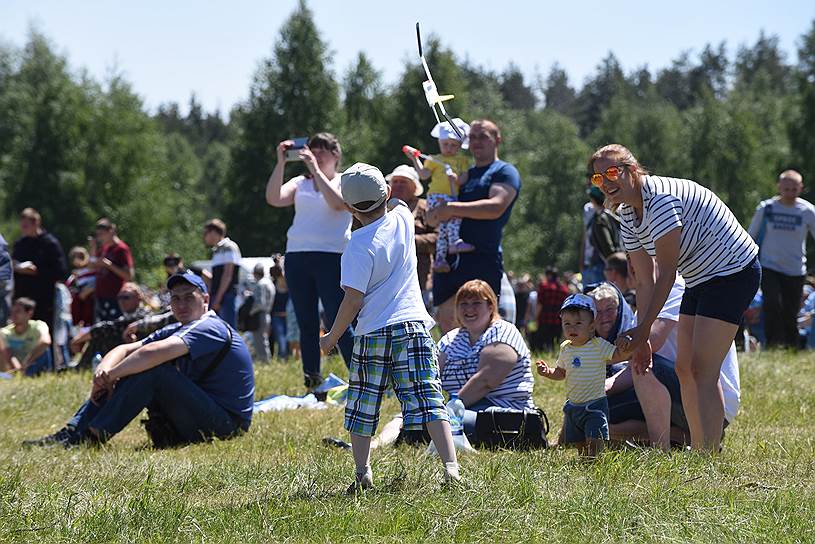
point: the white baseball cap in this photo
(405, 171)
(363, 183)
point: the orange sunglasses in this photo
(612, 173)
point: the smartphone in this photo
(293, 152)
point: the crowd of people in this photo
(646, 330)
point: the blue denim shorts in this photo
(586, 420)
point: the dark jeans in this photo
(278, 337)
(193, 414)
(313, 276)
(227, 311)
(782, 300)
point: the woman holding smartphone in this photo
(315, 241)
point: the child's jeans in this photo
(585, 420)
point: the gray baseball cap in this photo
(363, 183)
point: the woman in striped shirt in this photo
(688, 229)
(485, 362)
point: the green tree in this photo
(558, 94)
(514, 90)
(293, 94)
(364, 105)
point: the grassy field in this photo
(279, 483)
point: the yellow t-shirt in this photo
(438, 178)
(585, 369)
(22, 344)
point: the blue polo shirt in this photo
(232, 383)
(486, 234)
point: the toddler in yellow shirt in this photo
(582, 362)
(447, 172)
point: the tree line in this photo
(77, 149)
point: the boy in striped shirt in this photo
(582, 362)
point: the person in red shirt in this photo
(551, 294)
(113, 266)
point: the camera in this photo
(293, 152)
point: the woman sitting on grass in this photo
(485, 362)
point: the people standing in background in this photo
(315, 242)
(39, 263)
(484, 204)
(6, 273)
(114, 267)
(601, 238)
(780, 227)
(277, 337)
(262, 294)
(226, 260)
(81, 283)
(551, 294)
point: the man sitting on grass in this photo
(196, 375)
(25, 344)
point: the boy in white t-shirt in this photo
(392, 343)
(582, 362)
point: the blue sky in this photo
(169, 49)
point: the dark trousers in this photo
(278, 337)
(192, 413)
(782, 300)
(313, 276)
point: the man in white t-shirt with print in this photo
(780, 226)
(392, 343)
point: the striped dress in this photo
(462, 359)
(712, 242)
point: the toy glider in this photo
(431, 93)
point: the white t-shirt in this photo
(729, 375)
(316, 225)
(380, 261)
(712, 242)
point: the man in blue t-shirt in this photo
(484, 204)
(195, 375)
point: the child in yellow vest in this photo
(582, 362)
(447, 172)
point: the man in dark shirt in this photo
(39, 263)
(196, 373)
(484, 204)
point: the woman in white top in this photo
(316, 239)
(688, 229)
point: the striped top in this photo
(462, 359)
(585, 368)
(712, 242)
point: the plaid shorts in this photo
(403, 355)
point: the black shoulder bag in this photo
(159, 429)
(512, 429)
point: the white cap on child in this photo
(443, 131)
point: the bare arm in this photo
(147, 356)
(349, 308)
(278, 194)
(500, 197)
(332, 194)
(495, 363)
(124, 272)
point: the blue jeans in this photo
(585, 420)
(278, 337)
(43, 363)
(227, 310)
(193, 414)
(313, 275)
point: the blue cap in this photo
(187, 277)
(581, 302)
